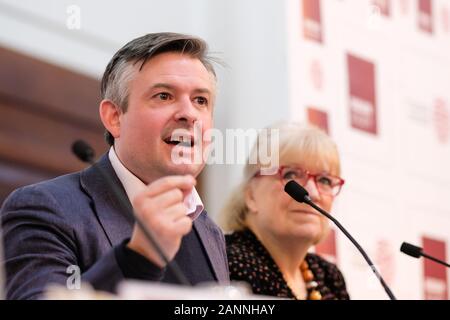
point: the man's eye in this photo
(201, 101)
(163, 96)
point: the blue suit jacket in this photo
(75, 220)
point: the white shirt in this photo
(133, 186)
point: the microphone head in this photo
(296, 191)
(83, 151)
(411, 250)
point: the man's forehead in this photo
(177, 68)
(183, 61)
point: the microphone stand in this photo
(298, 193)
(356, 244)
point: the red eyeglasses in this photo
(325, 183)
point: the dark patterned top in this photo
(250, 262)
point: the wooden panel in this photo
(48, 88)
(43, 109)
(13, 176)
(43, 142)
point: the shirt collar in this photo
(133, 186)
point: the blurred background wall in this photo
(374, 74)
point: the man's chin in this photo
(185, 169)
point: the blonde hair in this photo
(313, 145)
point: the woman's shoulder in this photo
(245, 252)
(250, 262)
(242, 243)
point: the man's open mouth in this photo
(180, 141)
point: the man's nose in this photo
(311, 187)
(186, 111)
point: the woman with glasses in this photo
(270, 232)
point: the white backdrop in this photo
(376, 74)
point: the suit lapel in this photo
(116, 222)
(210, 239)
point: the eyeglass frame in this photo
(309, 175)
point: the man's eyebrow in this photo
(203, 90)
(162, 85)
(165, 86)
(171, 87)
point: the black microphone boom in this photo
(299, 194)
(411, 250)
(86, 153)
(417, 252)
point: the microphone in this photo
(86, 153)
(83, 151)
(417, 252)
(299, 194)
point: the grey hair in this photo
(122, 67)
(313, 145)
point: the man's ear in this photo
(110, 116)
(250, 201)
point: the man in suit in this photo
(155, 87)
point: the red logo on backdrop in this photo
(327, 248)
(384, 6)
(425, 16)
(441, 119)
(404, 6)
(316, 74)
(312, 24)
(435, 275)
(318, 118)
(363, 106)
